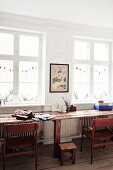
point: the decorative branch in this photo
(5, 98)
(67, 103)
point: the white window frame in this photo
(91, 64)
(16, 59)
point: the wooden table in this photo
(73, 115)
(11, 119)
(57, 121)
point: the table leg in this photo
(57, 127)
(1, 137)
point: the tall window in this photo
(20, 66)
(92, 70)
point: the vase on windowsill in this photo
(67, 104)
(2, 102)
(67, 108)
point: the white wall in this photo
(91, 12)
(59, 49)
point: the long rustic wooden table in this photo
(73, 115)
(58, 117)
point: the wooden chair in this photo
(100, 134)
(17, 137)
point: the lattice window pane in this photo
(6, 43)
(29, 46)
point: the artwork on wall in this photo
(59, 78)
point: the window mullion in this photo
(110, 79)
(16, 67)
(91, 81)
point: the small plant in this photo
(76, 96)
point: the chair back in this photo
(100, 134)
(102, 122)
(20, 129)
(20, 136)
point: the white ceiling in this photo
(91, 12)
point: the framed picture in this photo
(59, 78)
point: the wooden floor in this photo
(103, 159)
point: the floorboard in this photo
(103, 159)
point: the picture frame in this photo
(59, 78)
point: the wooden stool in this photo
(67, 147)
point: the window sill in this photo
(27, 103)
(21, 104)
(34, 107)
(90, 102)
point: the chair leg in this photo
(3, 163)
(3, 149)
(33, 149)
(104, 145)
(73, 156)
(62, 154)
(36, 157)
(81, 142)
(91, 153)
